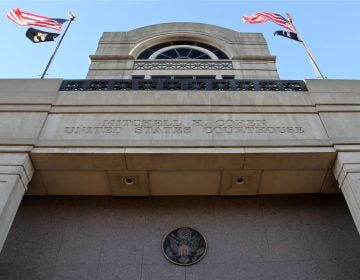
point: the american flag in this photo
(25, 18)
(265, 16)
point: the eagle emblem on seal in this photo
(184, 246)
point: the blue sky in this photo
(329, 28)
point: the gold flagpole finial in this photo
(71, 16)
(288, 17)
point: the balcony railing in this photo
(188, 85)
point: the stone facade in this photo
(117, 135)
(116, 55)
(283, 237)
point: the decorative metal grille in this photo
(268, 86)
(72, 85)
(221, 85)
(292, 86)
(172, 85)
(245, 85)
(196, 85)
(123, 85)
(182, 65)
(99, 85)
(147, 85)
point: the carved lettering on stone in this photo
(181, 129)
(175, 126)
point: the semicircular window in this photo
(182, 50)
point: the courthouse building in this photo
(180, 125)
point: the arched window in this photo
(182, 50)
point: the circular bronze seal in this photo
(184, 246)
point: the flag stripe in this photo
(266, 16)
(25, 18)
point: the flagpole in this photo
(311, 58)
(71, 19)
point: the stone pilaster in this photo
(347, 172)
(16, 171)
